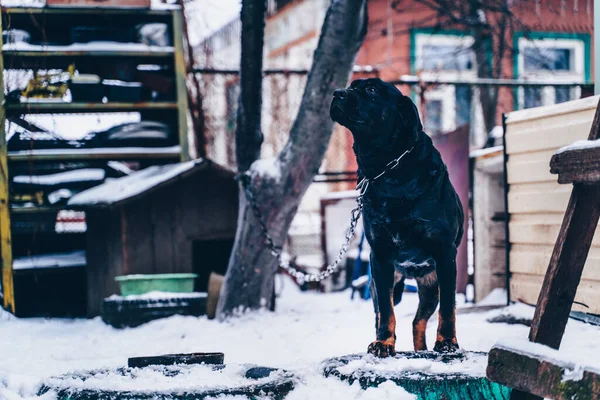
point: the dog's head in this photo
(376, 112)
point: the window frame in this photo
(578, 43)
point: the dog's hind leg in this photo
(446, 271)
(428, 301)
(383, 283)
(398, 288)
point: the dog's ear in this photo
(408, 118)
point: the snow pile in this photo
(91, 46)
(84, 174)
(58, 260)
(160, 379)
(157, 295)
(580, 145)
(474, 364)
(306, 329)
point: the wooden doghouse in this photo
(174, 218)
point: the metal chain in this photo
(291, 267)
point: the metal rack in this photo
(56, 21)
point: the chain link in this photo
(290, 267)
(277, 251)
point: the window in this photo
(433, 117)
(555, 59)
(447, 107)
(533, 97)
(447, 58)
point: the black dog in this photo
(413, 217)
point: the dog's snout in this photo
(340, 93)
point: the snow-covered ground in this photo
(306, 329)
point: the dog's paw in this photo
(382, 348)
(446, 346)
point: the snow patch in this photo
(85, 174)
(267, 167)
(157, 295)
(485, 152)
(160, 378)
(58, 260)
(389, 367)
(131, 185)
(497, 296)
(575, 374)
(173, 150)
(91, 46)
(580, 145)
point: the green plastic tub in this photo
(141, 284)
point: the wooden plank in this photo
(163, 230)
(568, 259)
(534, 259)
(180, 78)
(138, 238)
(556, 134)
(5, 234)
(529, 171)
(526, 289)
(53, 107)
(76, 10)
(566, 265)
(577, 166)
(532, 372)
(104, 257)
(554, 201)
(123, 153)
(538, 234)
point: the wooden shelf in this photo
(88, 53)
(116, 153)
(57, 107)
(88, 10)
(37, 209)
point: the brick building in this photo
(545, 39)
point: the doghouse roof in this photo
(140, 183)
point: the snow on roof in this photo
(129, 186)
(580, 145)
(92, 46)
(58, 260)
(85, 174)
(156, 4)
(554, 109)
(344, 194)
(116, 151)
(485, 152)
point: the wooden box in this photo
(99, 3)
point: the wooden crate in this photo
(99, 3)
(537, 203)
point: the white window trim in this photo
(577, 74)
(446, 93)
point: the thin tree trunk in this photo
(481, 45)
(280, 184)
(248, 134)
(195, 102)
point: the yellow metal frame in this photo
(6, 258)
(8, 290)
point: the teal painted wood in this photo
(426, 386)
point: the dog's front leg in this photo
(383, 284)
(446, 272)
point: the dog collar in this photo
(364, 183)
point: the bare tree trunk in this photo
(481, 45)
(279, 185)
(248, 134)
(194, 99)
